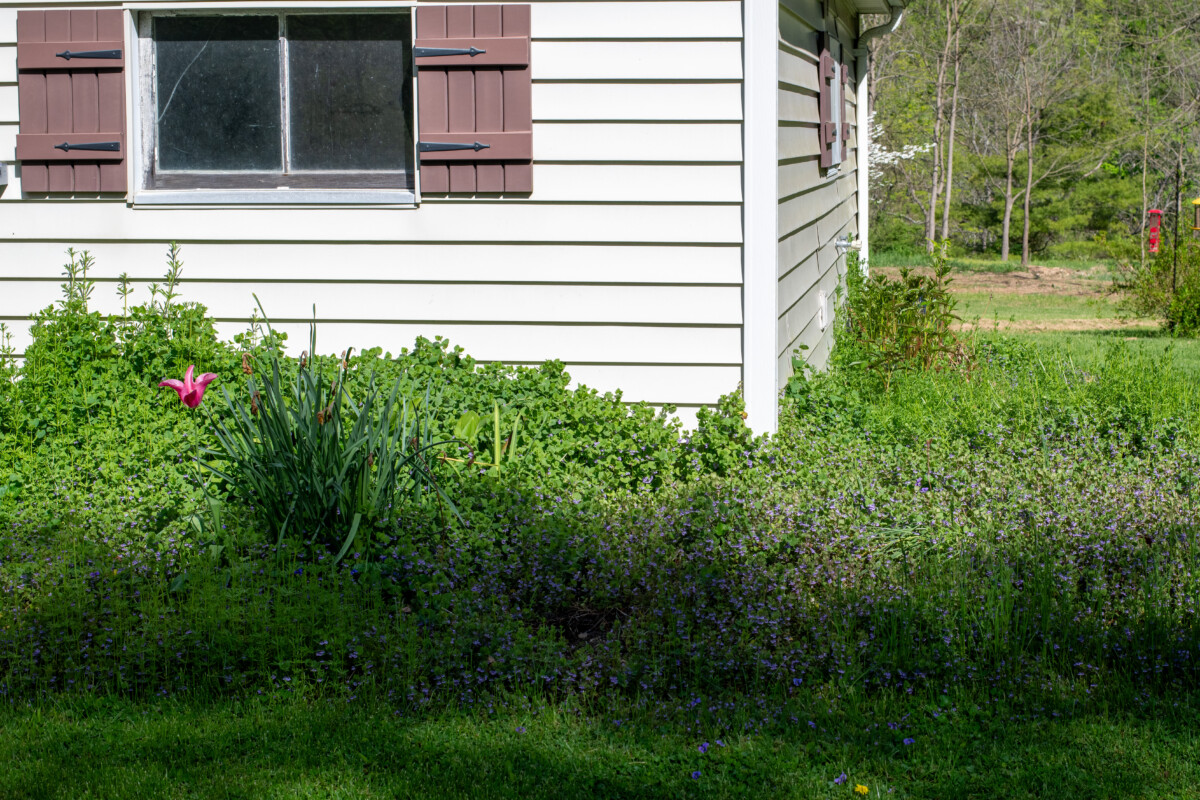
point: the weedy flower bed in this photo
(1017, 530)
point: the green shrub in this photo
(1165, 286)
(70, 350)
(896, 325)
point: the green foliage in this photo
(1013, 391)
(897, 325)
(71, 349)
(1166, 285)
(319, 462)
(722, 442)
(80, 363)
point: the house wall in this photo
(815, 207)
(625, 262)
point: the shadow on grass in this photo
(294, 749)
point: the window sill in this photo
(275, 197)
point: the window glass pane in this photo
(349, 91)
(218, 93)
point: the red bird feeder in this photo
(1155, 224)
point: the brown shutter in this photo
(828, 96)
(482, 100)
(71, 96)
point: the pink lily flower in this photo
(190, 392)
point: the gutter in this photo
(861, 102)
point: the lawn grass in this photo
(1087, 347)
(294, 748)
(988, 306)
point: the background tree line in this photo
(1038, 128)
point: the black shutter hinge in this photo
(430, 52)
(108, 147)
(433, 147)
(68, 55)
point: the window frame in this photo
(143, 123)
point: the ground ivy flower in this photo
(190, 392)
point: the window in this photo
(257, 106)
(319, 104)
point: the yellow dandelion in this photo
(860, 789)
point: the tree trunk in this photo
(1009, 202)
(939, 112)
(1145, 161)
(1028, 204)
(949, 190)
(931, 214)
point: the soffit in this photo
(873, 6)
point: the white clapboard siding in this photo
(799, 210)
(8, 64)
(710, 19)
(798, 69)
(644, 183)
(8, 141)
(8, 104)
(631, 142)
(798, 280)
(798, 141)
(799, 176)
(433, 222)
(625, 101)
(795, 319)
(516, 344)
(382, 263)
(678, 305)
(642, 61)
(658, 385)
(799, 107)
(819, 343)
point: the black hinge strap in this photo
(430, 52)
(430, 147)
(108, 147)
(68, 55)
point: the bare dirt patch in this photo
(1033, 325)
(1034, 280)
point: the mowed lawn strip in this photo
(292, 748)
